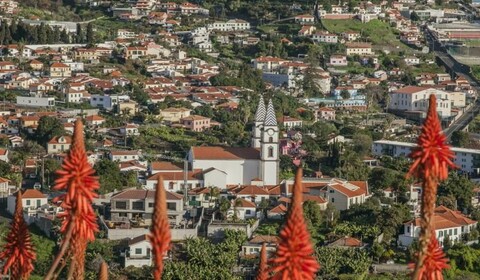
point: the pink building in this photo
(325, 113)
(196, 123)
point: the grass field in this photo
(380, 33)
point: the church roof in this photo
(261, 111)
(224, 153)
(270, 118)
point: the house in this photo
(307, 30)
(139, 252)
(289, 122)
(230, 25)
(139, 204)
(165, 166)
(94, 120)
(196, 123)
(60, 70)
(325, 37)
(32, 200)
(254, 245)
(242, 209)
(325, 113)
(305, 19)
(129, 129)
(338, 60)
(446, 222)
(350, 35)
(36, 65)
(278, 212)
(415, 99)
(5, 188)
(34, 101)
(59, 144)
(201, 197)
(346, 242)
(359, 48)
(4, 155)
(253, 193)
(7, 65)
(123, 155)
(412, 60)
(135, 52)
(174, 115)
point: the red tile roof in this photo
(143, 194)
(166, 166)
(245, 203)
(224, 153)
(55, 140)
(32, 193)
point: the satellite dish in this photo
(425, 49)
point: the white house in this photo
(59, 144)
(139, 252)
(4, 155)
(251, 193)
(466, 159)
(359, 48)
(33, 101)
(338, 60)
(254, 245)
(447, 223)
(412, 60)
(32, 200)
(325, 37)
(242, 209)
(305, 19)
(107, 101)
(230, 25)
(124, 155)
(414, 98)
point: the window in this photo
(28, 202)
(270, 139)
(138, 251)
(332, 191)
(351, 200)
(455, 231)
(248, 212)
(120, 204)
(333, 199)
(408, 229)
(54, 146)
(150, 204)
(171, 206)
(270, 151)
(170, 186)
(137, 205)
(39, 203)
(122, 215)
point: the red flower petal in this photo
(294, 257)
(18, 252)
(262, 268)
(435, 261)
(432, 156)
(160, 232)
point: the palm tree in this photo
(214, 192)
(224, 205)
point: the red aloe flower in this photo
(103, 275)
(293, 259)
(160, 232)
(434, 262)
(18, 253)
(262, 268)
(76, 178)
(432, 156)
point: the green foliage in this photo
(110, 175)
(48, 127)
(207, 261)
(460, 139)
(246, 77)
(337, 261)
(460, 187)
(44, 249)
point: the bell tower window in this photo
(270, 152)
(270, 139)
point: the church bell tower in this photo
(269, 147)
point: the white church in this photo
(226, 166)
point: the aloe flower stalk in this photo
(294, 257)
(103, 275)
(18, 252)
(431, 160)
(262, 268)
(160, 232)
(76, 177)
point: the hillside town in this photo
(224, 101)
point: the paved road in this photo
(460, 70)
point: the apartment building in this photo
(359, 48)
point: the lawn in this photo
(380, 33)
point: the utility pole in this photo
(43, 172)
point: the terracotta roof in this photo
(410, 89)
(245, 203)
(166, 165)
(347, 191)
(199, 190)
(54, 140)
(123, 153)
(446, 218)
(32, 193)
(280, 209)
(224, 153)
(59, 65)
(3, 152)
(346, 242)
(260, 239)
(138, 239)
(250, 190)
(94, 118)
(3, 180)
(176, 176)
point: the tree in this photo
(90, 34)
(312, 213)
(5, 168)
(460, 139)
(447, 242)
(362, 144)
(414, 16)
(460, 187)
(345, 94)
(377, 251)
(110, 176)
(79, 37)
(48, 127)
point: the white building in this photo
(412, 60)
(232, 165)
(468, 160)
(32, 201)
(107, 101)
(325, 37)
(139, 252)
(413, 98)
(242, 209)
(230, 25)
(447, 223)
(59, 144)
(123, 155)
(33, 101)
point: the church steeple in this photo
(269, 147)
(258, 125)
